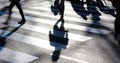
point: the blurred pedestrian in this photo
(60, 4)
(16, 2)
(116, 4)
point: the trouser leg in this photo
(20, 11)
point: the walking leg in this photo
(21, 13)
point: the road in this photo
(84, 36)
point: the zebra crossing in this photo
(44, 16)
(15, 56)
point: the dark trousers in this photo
(117, 21)
(60, 3)
(19, 8)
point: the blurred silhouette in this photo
(80, 9)
(58, 7)
(59, 39)
(16, 2)
(91, 6)
(100, 3)
(105, 8)
(116, 4)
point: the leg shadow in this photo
(5, 34)
(4, 10)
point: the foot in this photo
(22, 22)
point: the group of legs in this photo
(60, 3)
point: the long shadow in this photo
(4, 36)
(79, 8)
(107, 37)
(4, 10)
(59, 39)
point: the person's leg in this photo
(117, 24)
(21, 13)
(117, 20)
(62, 8)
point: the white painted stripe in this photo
(76, 60)
(71, 11)
(46, 31)
(73, 59)
(35, 41)
(72, 26)
(15, 56)
(73, 19)
(103, 16)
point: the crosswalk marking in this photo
(67, 7)
(34, 41)
(36, 28)
(47, 9)
(73, 59)
(72, 26)
(46, 43)
(15, 56)
(106, 17)
(71, 18)
(69, 12)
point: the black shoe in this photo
(22, 22)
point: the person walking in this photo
(16, 2)
(61, 5)
(116, 4)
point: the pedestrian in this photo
(16, 2)
(116, 4)
(60, 4)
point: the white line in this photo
(15, 56)
(72, 59)
(103, 16)
(76, 60)
(34, 41)
(72, 26)
(46, 31)
(73, 18)
(69, 10)
(39, 29)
